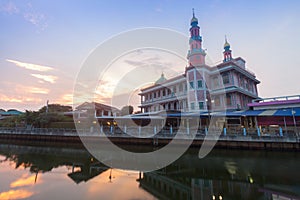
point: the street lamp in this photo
(208, 107)
(294, 120)
(209, 103)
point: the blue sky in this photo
(61, 34)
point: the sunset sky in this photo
(44, 43)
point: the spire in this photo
(227, 51)
(226, 45)
(196, 55)
(194, 20)
(161, 79)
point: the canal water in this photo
(45, 172)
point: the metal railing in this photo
(234, 134)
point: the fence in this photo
(290, 134)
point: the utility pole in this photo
(47, 106)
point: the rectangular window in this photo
(192, 106)
(169, 91)
(228, 100)
(192, 85)
(200, 84)
(201, 105)
(225, 78)
(217, 101)
(174, 89)
(215, 82)
(180, 88)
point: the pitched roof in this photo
(97, 106)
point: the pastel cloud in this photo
(25, 180)
(36, 19)
(30, 66)
(5, 98)
(47, 78)
(10, 8)
(28, 12)
(66, 99)
(16, 194)
(36, 90)
(18, 99)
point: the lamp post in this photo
(284, 122)
(209, 103)
(208, 110)
(294, 120)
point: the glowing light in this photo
(251, 180)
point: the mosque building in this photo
(228, 85)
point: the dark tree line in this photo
(40, 118)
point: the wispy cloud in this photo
(9, 8)
(66, 99)
(47, 78)
(36, 90)
(30, 66)
(27, 12)
(16, 194)
(34, 18)
(4, 99)
(24, 180)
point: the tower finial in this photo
(227, 51)
(193, 12)
(226, 45)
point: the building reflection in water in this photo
(221, 175)
(227, 175)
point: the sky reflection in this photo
(29, 172)
(20, 183)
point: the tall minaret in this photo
(227, 51)
(196, 55)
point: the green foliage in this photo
(39, 119)
(66, 125)
(13, 121)
(55, 108)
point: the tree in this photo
(41, 119)
(127, 110)
(55, 108)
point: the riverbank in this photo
(276, 143)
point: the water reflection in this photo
(228, 175)
(32, 172)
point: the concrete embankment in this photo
(237, 142)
